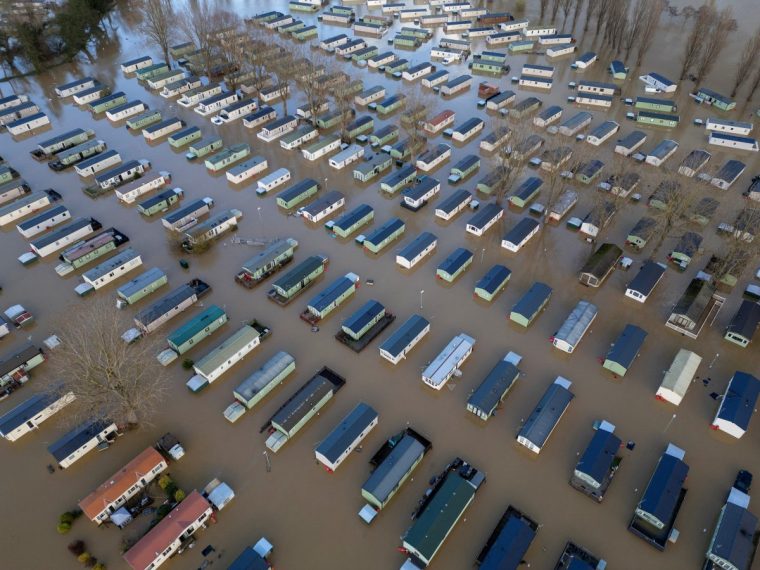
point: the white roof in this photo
(681, 372)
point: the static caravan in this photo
(235, 111)
(324, 206)
(48, 148)
(161, 80)
(267, 262)
(418, 71)
(144, 119)
(121, 174)
(398, 180)
(28, 415)
(212, 228)
(259, 384)
(501, 100)
(380, 60)
(433, 157)
(495, 139)
(494, 39)
(203, 325)
(322, 147)
(423, 190)
(44, 221)
(88, 96)
(728, 174)
(731, 127)
(406, 337)
(658, 119)
(12, 188)
(225, 356)
(350, 154)
(346, 436)
(187, 216)
(245, 170)
(26, 205)
(465, 131)
(494, 387)
(586, 60)
(520, 234)
(125, 111)
(132, 65)
(525, 311)
(730, 141)
(164, 128)
(589, 171)
(272, 181)
(350, 47)
(384, 235)
(64, 236)
(743, 324)
(297, 280)
(453, 204)
(20, 111)
(151, 71)
(715, 99)
(482, 221)
(68, 89)
(385, 135)
(181, 86)
(656, 105)
(565, 202)
(390, 104)
(329, 44)
(526, 192)
(525, 107)
(448, 362)
(456, 85)
(28, 124)
(416, 250)
(181, 49)
(439, 122)
(214, 103)
(436, 78)
(185, 137)
(630, 143)
(297, 193)
(360, 126)
(86, 251)
(645, 281)
(371, 95)
(227, 156)
(678, 377)
(641, 233)
(457, 46)
(491, 284)
(194, 96)
(129, 193)
(547, 414)
(624, 350)
(12, 101)
(97, 163)
(698, 304)
(108, 102)
(548, 116)
(738, 405)
(169, 306)
(330, 298)
(575, 124)
(160, 202)
(464, 168)
(454, 265)
(110, 270)
(299, 137)
(664, 150)
(602, 132)
(363, 26)
(659, 83)
(204, 147)
(140, 287)
(350, 222)
(81, 440)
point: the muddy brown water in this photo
(309, 515)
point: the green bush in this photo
(66, 517)
(187, 364)
(76, 547)
(99, 566)
(91, 562)
(171, 489)
(85, 557)
(179, 495)
(63, 527)
(164, 481)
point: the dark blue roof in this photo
(24, 412)
(76, 438)
(297, 189)
(728, 137)
(423, 185)
(468, 125)
(417, 245)
(249, 559)
(455, 260)
(350, 218)
(359, 319)
(401, 338)
(157, 199)
(405, 171)
(329, 294)
(745, 320)
(485, 215)
(493, 278)
(662, 79)
(188, 210)
(647, 277)
(517, 234)
(734, 536)
(346, 432)
(664, 488)
(597, 460)
(383, 232)
(739, 401)
(544, 417)
(454, 200)
(731, 170)
(631, 139)
(490, 392)
(510, 545)
(528, 187)
(466, 162)
(713, 95)
(627, 346)
(532, 300)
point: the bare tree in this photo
(602, 9)
(158, 24)
(285, 72)
(420, 108)
(510, 163)
(313, 87)
(740, 247)
(649, 27)
(746, 61)
(197, 22)
(616, 23)
(256, 59)
(635, 24)
(714, 43)
(577, 13)
(591, 11)
(694, 42)
(754, 87)
(555, 9)
(343, 99)
(567, 6)
(230, 45)
(672, 207)
(544, 6)
(109, 378)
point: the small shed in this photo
(531, 304)
(738, 404)
(624, 350)
(600, 264)
(575, 326)
(678, 377)
(744, 324)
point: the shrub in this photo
(164, 481)
(99, 566)
(85, 557)
(162, 511)
(91, 562)
(76, 547)
(187, 364)
(66, 517)
(179, 495)
(63, 527)
(171, 489)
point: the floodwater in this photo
(309, 515)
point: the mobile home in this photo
(322, 147)
(297, 193)
(346, 436)
(602, 132)
(28, 415)
(185, 137)
(111, 269)
(163, 128)
(492, 283)
(267, 262)
(235, 111)
(381, 237)
(664, 150)
(516, 238)
(525, 311)
(694, 162)
(141, 286)
(630, 143)
(643, 284)
(227, 156)
(399, 179)
(204, 147)
(66, 235)
(324, 206)
(48, 148)
(245, 170)
(95, 164)
(160, 202)
(259, 384)
(26, 205)
(180, 87)
(299, 137)
(448, 362)
(28, 124)
(194, 96)
(203, 325)
(743, 324)
(86, 251)
(108, 102)
(486, 217)
(297, 280)
(738, 404)
(624, 350)
(212, 228)
(132, 65)
(350, 222)
(679, 377)
(81, 440)
(730, 141)
(130, 192)
(454, 265)
(494, 387)
(68, 89)
(547, 414)
(139, 122)
(44, 221)
(715, 99)
(575, 326)
(126, 110)
(187, 216)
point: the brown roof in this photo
(171, 527)
(97, 501)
